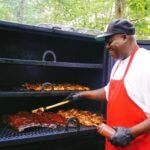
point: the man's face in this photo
(115, 45)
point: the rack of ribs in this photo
(24, 120)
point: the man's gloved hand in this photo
(122, 137)
(74, 97)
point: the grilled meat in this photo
(69, 87)
(55, 87)
(25, 120)
(34, 87)
(86, 118)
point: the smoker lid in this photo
(54, 31)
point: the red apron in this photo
(123, 111)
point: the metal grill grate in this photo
(9, 136)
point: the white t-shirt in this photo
(137, 80)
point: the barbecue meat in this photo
(47, 87)
(86, 118)
(24, 120)
(69, 87)
(54, 87)
(34, 87)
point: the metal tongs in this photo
(65, 101)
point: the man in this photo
(128, 91)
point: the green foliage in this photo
(89, 14)
(139, 12)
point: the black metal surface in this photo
(48, 63)
(9, 136)
(56, 32)
(34, 93)
(80, 60)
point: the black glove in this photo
(74, 97)
(122, 137)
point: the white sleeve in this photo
(137, 81)
(146, 93)
(145, 82)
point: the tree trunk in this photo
(120, 8)
(20, 13)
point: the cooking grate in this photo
(9, 136)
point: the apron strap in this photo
(136, 47)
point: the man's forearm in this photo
(141, 128)
(98, 94)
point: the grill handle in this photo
(49, 52)
(72, 122)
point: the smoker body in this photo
(32, 54)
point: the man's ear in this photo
(125, 38)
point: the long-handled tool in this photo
(51, 106)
